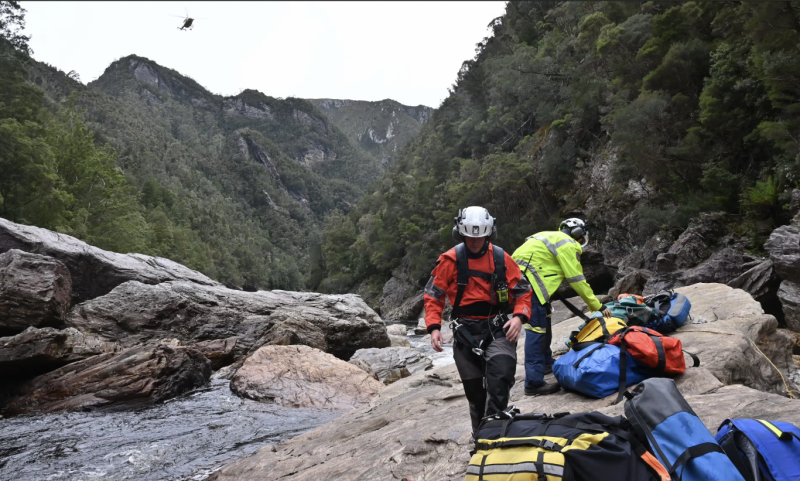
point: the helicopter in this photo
(188, 22)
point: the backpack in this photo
(672, 311)
(632, 309)
(662, 353)
(660, 416)
(762, 450)
(587, 446)
(597, 329)
(594, 369)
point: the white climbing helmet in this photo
(576, 229)
(474, 221)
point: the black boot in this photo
(542, 390)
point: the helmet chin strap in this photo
(585, 240)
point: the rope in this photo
(785, 384)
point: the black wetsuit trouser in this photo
(487, 379)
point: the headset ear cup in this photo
(493, 235)
(456, 236)
(577, 233)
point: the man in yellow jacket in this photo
(547, 258)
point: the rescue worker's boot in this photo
(542, 390)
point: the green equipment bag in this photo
(632, 310)
(562, 447)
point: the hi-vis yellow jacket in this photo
(547, 258)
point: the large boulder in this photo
(784, 252)
(136, 313)
(94, 271)
(409, 309)
(218, 351)
(132, 378)
(301, 376)
(36, 351)
(34, 291)
(789, 296)
(632, 283)
(392, 363)
(395, 292)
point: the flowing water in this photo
(186, 438)
(183, 439)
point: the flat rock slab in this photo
(136, 313)
(94, 271)
(419, 428)
(36, 351)
(132, 378)
(301, 376)
(392, 363)
(35, 291)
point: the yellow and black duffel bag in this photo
(579, 447)
(598, 329)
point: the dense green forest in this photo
(145, 159)
(637, 115)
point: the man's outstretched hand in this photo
(514, 326)
(436, 340)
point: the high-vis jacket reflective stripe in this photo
(547, 258)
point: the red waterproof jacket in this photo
(478, 298)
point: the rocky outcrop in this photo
(391, 364)
(409, 309)
(132, 378)
(632, 283)
(218, 351)
(419, 428)
(300, 376)
(94, 271)
(784, 252)
(136, 313)
(34, 291)
(395, 292)
(597, 273)
(36, 351)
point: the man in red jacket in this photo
(481, 281)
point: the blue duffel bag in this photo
(762, 450)
(672, 310)
(594, 369)
(661, 416)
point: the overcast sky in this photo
(407, 51)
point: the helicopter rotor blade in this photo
(178, 16)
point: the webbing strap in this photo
(540, 466)
(695, 359)
(623, 368)
(538, 443)
(662, 358)
(483, 465)
(463, 273)
(579, 361)
(694, 452)
(580, 313)
(728, 444)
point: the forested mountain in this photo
(381, 128)
(146, 160)
(636, 115)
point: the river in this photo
(185, 438)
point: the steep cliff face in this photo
(380, 128)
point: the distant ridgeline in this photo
(638, 115)
(236, 187)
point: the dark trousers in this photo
(487, 379)
(538, 338)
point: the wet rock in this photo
(409, 309)
(136, 313)
(300, 376)
(632, 283)
(784, 250)
(34, 291)
(36, 351)
(132, 378)
(789, 295)
(393, 363)
(94, 271)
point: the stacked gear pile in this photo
(660, 438)
(607, 355)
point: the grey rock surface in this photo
(789, 295)
(34, 291)
(132, 378)
(136, 313)
(301, 376)
(36, 351)
(409, 309)
(758, 280)
(395, 292)
(632, 283)
(94, 271)
(399, 341)
(784, 250)
(392, 363)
